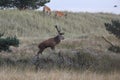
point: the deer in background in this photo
(51, 42)
(47, 10)
(60, 14)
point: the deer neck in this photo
(57, 39)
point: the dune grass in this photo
(36, 24)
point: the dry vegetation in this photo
(16, 74)
(35, 24)
(84, 52)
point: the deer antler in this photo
(58, 30)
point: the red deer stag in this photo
(51, 42)
(60, 14)
(47, 10)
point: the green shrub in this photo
(115, 49)
(114, 28)
(5, 43)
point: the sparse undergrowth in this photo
(70, 60)
(28, 74)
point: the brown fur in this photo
(60, 14)
(47, 10)
(51, 42)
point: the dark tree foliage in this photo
(5, 4)
(114, 48)
(5, 43)
(22, 4)
(114, 28)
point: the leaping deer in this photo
(51, 42)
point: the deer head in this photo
(60, 34)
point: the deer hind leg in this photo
(37, 59)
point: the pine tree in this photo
(22, 4)
(114, 28)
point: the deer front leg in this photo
(39, 52)
(53, 49)
(41, 49)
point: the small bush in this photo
(5, 43)
(115, 49)
(114, 28)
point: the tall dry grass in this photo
(14, 74)
(31, 23)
